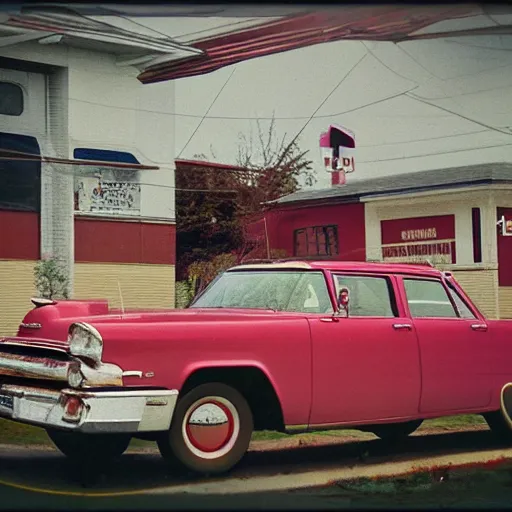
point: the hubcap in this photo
(211, 427)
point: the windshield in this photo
(291, 291)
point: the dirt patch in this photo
(318, 439)
(477, 484)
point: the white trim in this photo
(430, 241)
(409, 195)
(125, 218)
(22, 38)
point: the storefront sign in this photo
(337, 146)
(440, 252)
(419, 234)
(419, 239)
(506, 226)
(97, 195)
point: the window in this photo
(316, 241)
(428, 298)
(20, 180)
(369, 296)
(477, 235)
(462, 307)
(11, 99)
(282, 290)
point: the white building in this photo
(75, 96)
(72, 90)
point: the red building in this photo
(450, 217)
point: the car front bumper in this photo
(103, 411)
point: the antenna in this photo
(120, 297)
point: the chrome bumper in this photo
(127, 411)
(55, 365)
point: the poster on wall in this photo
(96, 195)
(419, 240)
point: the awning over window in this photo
(396, 23)
(10, 155)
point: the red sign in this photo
(418, 239)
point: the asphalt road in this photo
(44, 479)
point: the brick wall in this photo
(17, 287)
(482, 287)
(142, 286)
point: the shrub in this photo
(51, 280)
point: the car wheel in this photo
(395, 431)
(210, 431)
(498, 425)
(89, 446)
(500, 422)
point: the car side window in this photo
(428, 299)
(463, 308)
(369, 295)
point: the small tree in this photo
(203, 272)
(51, 280)
(215, 206)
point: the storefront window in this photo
(316, 241)
(20, 180)
(11, 99)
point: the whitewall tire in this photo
(211, 429)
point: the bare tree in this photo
(213, 220)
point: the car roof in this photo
(343, 266)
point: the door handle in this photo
(479, 327)
(402, 327)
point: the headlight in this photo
(75, 376)
(85, 342)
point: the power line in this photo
(243, 118)
(325, 99)
(209, 108)
(387, 67)
(407, 157)
(72, 173)
(418, 63)
(463, 93)
(469, 45)
(426, 139)
(414, 97)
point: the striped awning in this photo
(394, 23)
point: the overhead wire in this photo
(326, 99)
(206, 113)
(462, 116)
(407, 157)
(469, 45)
(55, 167)
(247, 118)
(425, 139)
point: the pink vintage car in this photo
(289, 346)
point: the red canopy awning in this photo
(394, 23)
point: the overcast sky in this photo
(471, 77)
(381, 91)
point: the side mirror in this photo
(343, 300)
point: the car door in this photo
(454, 347)
(366, 366)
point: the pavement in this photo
(295, 477)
